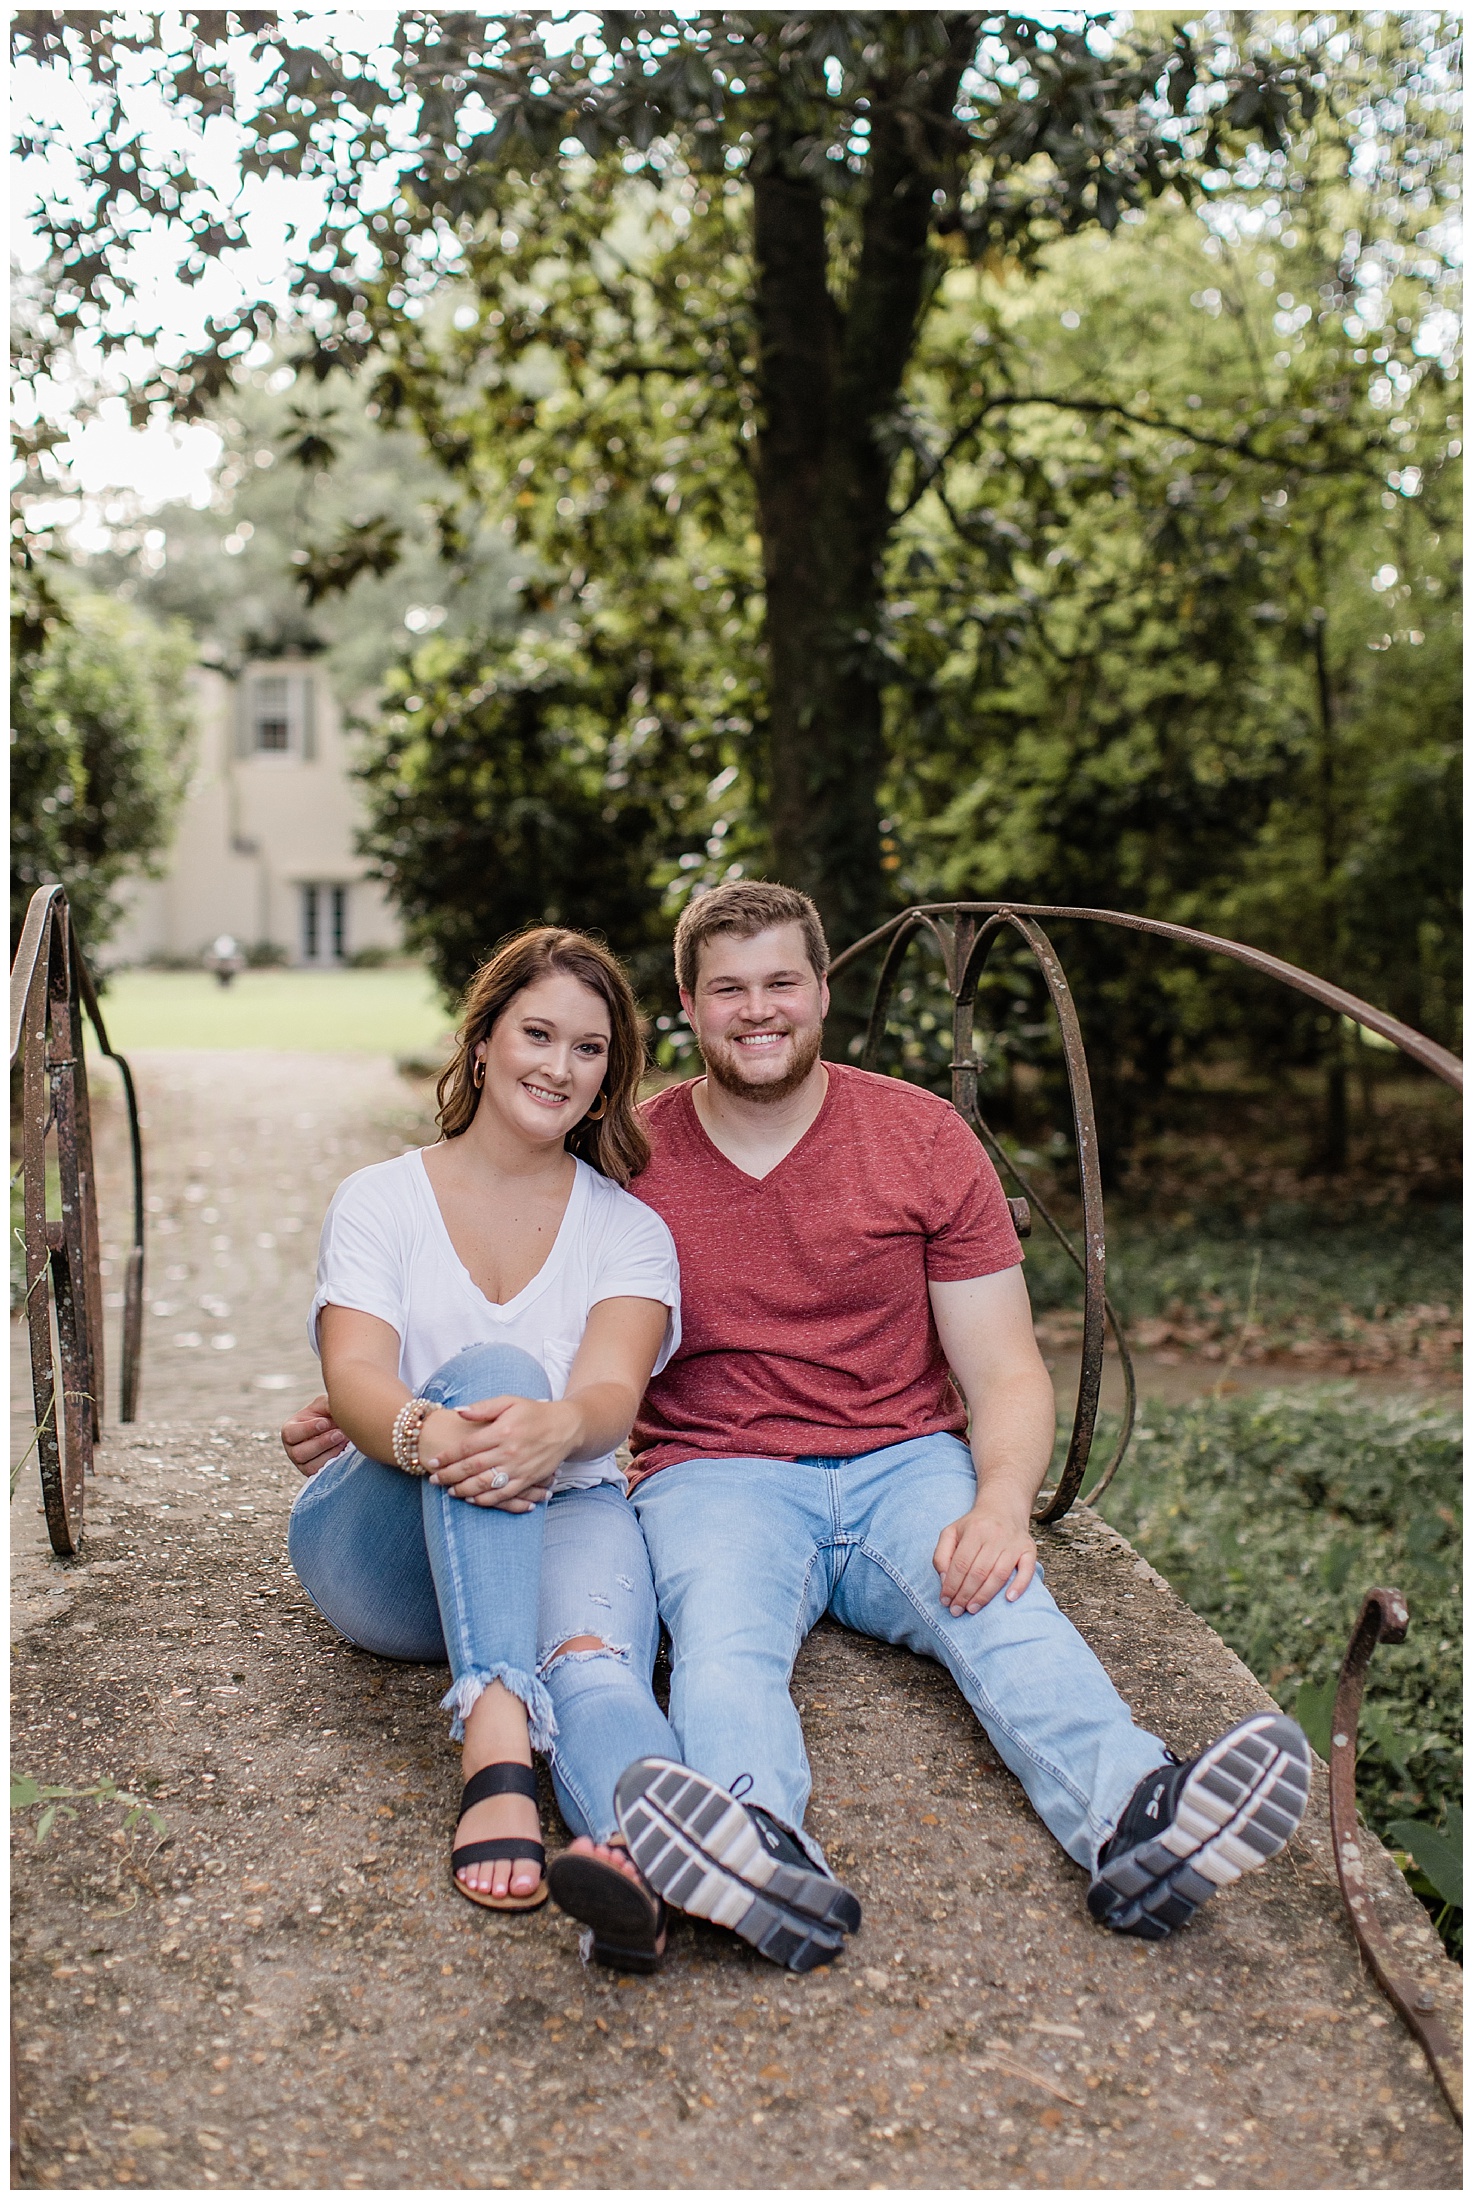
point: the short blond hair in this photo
(743, 908)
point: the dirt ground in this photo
(282, 1989)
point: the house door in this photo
(324, 923)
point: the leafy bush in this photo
(1272, 1515)
(101, 725)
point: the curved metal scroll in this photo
(1382, 1618)
(1053, 1504)
(964, 950)
(50, 990)
(1415, 1044)
(953, 925)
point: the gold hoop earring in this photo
(596, 1115)
(478, 1074)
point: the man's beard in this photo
(722, 1069)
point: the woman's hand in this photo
(523, 1439)
(311, 1437)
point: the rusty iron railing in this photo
(1382, 1618)
(965, 933)
(50, 990)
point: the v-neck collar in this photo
(506, 1310)
(758, 1183)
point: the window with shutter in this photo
(282, 718)
(271, 715)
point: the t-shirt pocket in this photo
(557, 1356)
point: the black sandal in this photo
(627, 1920)
(503, 1779)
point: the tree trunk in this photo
(830, 380)
(1335, 1124)
(1335, 1129)
(801, 331)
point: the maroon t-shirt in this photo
(807, 1326)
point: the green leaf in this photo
(46, 1821)
(1336, 1564)
(1314, 1708)
(23, 1791)
(1395, 1747)
(1439, 1854)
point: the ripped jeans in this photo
(405, 1570)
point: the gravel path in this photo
(282, 1989)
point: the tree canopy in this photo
(938, 452)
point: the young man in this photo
(857, 1422)
(849, 1277)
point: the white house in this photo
(264, 845)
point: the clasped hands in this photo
(522, 1438)
(501, 1452)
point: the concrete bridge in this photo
(284, 1991)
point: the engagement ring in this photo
(499, 1481)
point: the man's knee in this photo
(740, 1657)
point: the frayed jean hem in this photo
(463, 1697)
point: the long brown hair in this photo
(616, 1144)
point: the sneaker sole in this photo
(1243, 1802)
(698, 1848)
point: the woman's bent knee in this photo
(488, 1371)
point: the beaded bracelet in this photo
(408, 1422)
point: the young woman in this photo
(488, 1312)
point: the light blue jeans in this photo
(406, 1570)
(749, 1553)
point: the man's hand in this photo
(524, 1439)
(989, 1547)
(311, 1437)
(986, 1331)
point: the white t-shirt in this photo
(385, 1250)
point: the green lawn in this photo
(392, 1011)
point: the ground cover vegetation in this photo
(1223, 1247)
(1272, 1515)
(1105, 575)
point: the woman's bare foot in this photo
(495, 1820)
(610, 1852)
(618, 1857)
(496, 1733)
